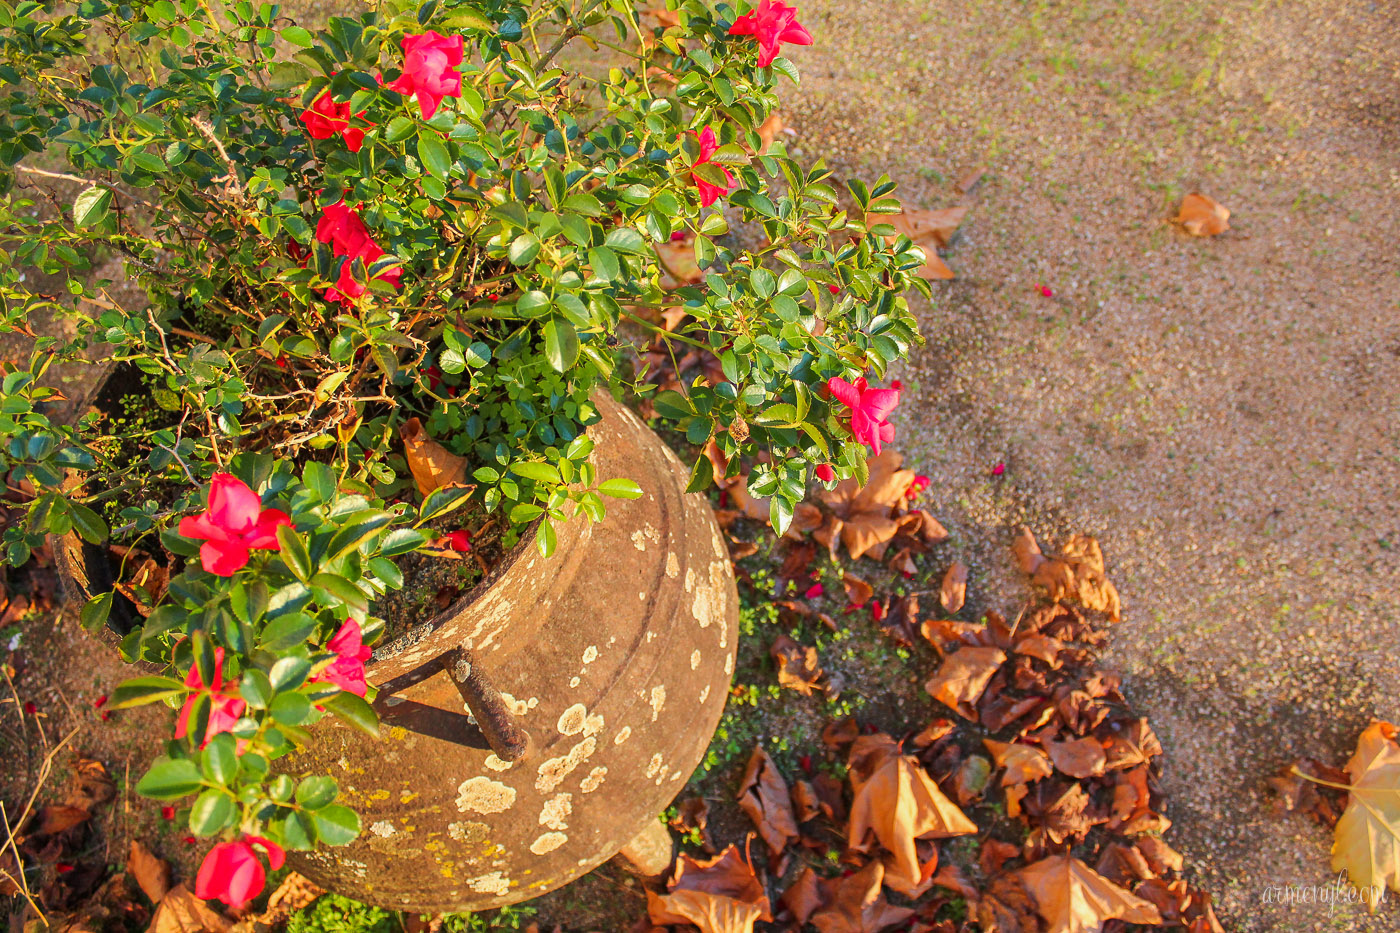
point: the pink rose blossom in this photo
(233, 873)
(347, 671)
(342, 229)
(771, 23)
(825, 473)
(234, 524)
(459, 541)
(710, 192)
(325, 119)
(225, 705)
(870, 409)
(430, 70)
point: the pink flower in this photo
(430, 70)
(999, 469)
(869, 410)
(1045, 291)
(919, 484)
(234, 524)
(814, 591)
(709, 192)
(771, 23)
(342, 229)
(347, 671)
(825, 473)
(225, 705)
(233, 873)
(459, 541)
(834, 289)
(325, 118)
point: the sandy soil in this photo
(1221, 413)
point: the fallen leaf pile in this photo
(1030, 806)
(57, 838)
(1366, 836)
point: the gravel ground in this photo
(1220, 413)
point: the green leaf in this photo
(732, 154)
(625, 240)
(141, 690)
(170, 779)
(354, 711)
(545, 538)
(336, 825)
(293, 551)
(539, 472)
(779, 514)
(523, 249)
(465, 17)
(433, 154)
(701, 475)
(95, 612)
(560, 343)
(255, 688)
(316, 791)
(290, 709)
(296, 35)
(341, 589)
(620, 488)
(289, 673)
(443, 500)
(91, 207)
(88, 523)
(287, 631)
(604, 263)
(213, 810)
(220, 762)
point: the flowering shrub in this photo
(414, 220)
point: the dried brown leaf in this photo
(433, 465)
(897, 804)
(1073, 898)
(1024, 764)
(718, 895)
(1366, 843)
(953, 591)
(152, 874)
(1079, 758)
(763, 795)
(181, 912)
(856, 904)
(1202, 215)
(963, 676)
(866, 513)
(798, 665)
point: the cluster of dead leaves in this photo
(1366, 835)
(59, 838)
(143, 896)
(1036, 734)
(868, 521)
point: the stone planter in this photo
(614, 656)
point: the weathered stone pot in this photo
(614, 655)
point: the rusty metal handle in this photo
(507, 740)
